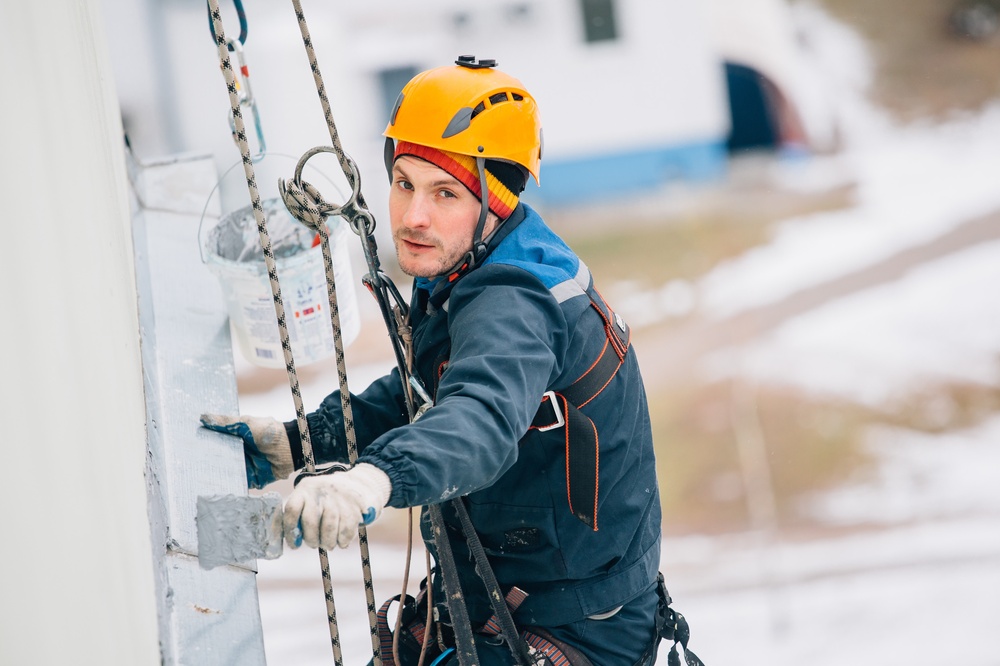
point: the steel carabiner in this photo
(245, 94)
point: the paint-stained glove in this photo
(266, 451)
(329, 507)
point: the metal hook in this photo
(245, 93)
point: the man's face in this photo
(433, 217)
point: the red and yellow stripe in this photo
(463, 168)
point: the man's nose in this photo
(417, 214)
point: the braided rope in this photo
(307, 197)
(279, 308)
(321, 91)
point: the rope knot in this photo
(304, 202)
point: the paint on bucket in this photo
(232, 252)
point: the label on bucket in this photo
(302, 277)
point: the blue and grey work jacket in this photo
(488, 347)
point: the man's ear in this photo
(492, 222)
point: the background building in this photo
(634, 93)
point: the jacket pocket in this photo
(521, 542)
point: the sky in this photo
(909, 571)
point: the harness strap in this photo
(557, 652)
(503, 621)
(513, 601)
(384, 633)
(561, 408)
(464, 645)
(670, 625)
(542, 646)
(412, 628)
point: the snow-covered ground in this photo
(917, 581)
(911, 574)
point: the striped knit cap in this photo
(504, 181)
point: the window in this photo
(391, 81)
(599, 20)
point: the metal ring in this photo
(357, 217)
(353, 176)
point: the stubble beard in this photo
(442, 265)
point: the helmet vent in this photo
(464, 116)
(495, 99)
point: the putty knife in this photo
(235, 528)
(238, 528)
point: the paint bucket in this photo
(231, 250)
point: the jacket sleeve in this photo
(377, 409)
(508, 336)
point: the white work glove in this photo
(328, 508)
(266, 450)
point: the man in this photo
(539, 418)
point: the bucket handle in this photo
(208, 199)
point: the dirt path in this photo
(673, 351)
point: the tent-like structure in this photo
(770, 105)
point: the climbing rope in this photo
(279, 308)
(305, 203)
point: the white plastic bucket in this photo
(232, 252)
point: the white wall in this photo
(76, 566)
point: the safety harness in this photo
(412, 631)
(542, 647)
(562, 409)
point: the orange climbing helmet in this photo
(469, 108)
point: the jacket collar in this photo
(439, 288)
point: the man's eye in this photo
(404, 184)
(448, 194)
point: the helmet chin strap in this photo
(478, 251)
(478, 246)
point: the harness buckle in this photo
(560, 419)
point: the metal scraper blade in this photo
(234, 528)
